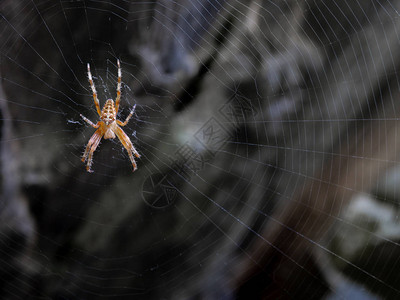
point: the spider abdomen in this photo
(108, 112)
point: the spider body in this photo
(108, 126)
(108, 112)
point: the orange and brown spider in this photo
(108, 127)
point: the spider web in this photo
(268, 140)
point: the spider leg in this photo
(118, 87)
(92, 145)
(90, 122)
(96, 101)
(89, 144)
(126, 142)
(128, 118)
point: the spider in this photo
(108, 127)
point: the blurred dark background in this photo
(268, 135)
